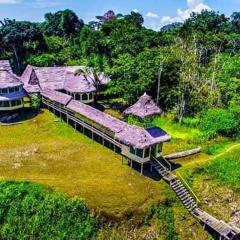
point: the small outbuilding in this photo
(144, 107)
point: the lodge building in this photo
(69, 95)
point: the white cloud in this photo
(9, 1)
(154, 21)
(152, 15)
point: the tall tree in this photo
(62, 23)
(21, 39)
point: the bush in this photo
(220, 121)
(35, 102)
(165, 217)
(29, 211)
(190, 122)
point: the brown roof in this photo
(7, 78)
(125, 133)
(58, 78)
(144, 107)
(5, 65)
(56, 96)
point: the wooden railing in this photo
(82, 123)
(188, 187)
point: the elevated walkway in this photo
(191, 202)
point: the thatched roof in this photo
(56, 96)
(60, 78)
(5, 65)
(130, 135)
(7, 77)
(144, 107)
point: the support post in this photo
(141, 168)
(131, 163)
(75, 125)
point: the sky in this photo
(156, 13)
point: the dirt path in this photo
(200, 161)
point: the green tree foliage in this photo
(35, 102)
(21, 39)
(62, 23)
(29, 211)
(235, 18)
(221, 121)
(229, 80)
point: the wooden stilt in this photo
(75, 125)
(142, 168)
(131, 163)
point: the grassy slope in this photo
(45, 151)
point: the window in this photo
(77, 97)
(147, 153)
(90, 96)
(84, 97)
(11, 90)
(132, 150)
(6, 104)
(139, 153)
(4, 90)
(17, 89)
(1, 104)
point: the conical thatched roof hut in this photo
(144, 107)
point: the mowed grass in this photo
(47, 151)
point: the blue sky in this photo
(156, 12)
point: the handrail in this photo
(168, 163)
(189, 188)
(80, 121)
(155, 159)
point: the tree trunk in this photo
(183, 154)
(159, 84)
(16, 56)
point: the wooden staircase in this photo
(190, 201)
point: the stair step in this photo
(180, 190)
(177, 184)
(185, 197)
(189, 204)
(188, 200)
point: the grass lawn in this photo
(46, 151)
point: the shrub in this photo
(35, 102)
(165, 217)
(29, 211)
(220, 121)
(190, 122)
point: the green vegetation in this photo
(30, 211)
(224, 169)
(35, 102)
(223, 122)
(164, 215)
